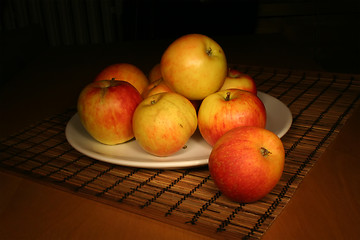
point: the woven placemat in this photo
(320, 104)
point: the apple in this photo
(155, 73)
(194, 65)
(125, 72)
(158, 86)
(163, 123)
(227, 109)
(238, 80)
(246, 163)
(106, 109)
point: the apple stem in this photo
(265, 152)
(153, 102)
(227, 98)
(112, 81)
(209, 51)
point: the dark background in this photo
(284, 33)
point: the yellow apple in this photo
(125, 72)
(194, 66)
(163, 123)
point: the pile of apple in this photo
(192, 87)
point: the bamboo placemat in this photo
(320, 103)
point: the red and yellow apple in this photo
(238, 80)
(163, 123)
(155, 73)
(227, 109)
(194, 66)
(125, 72)
(106, 109)
(246, 163)
(155, 87)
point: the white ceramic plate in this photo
(130, 154)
